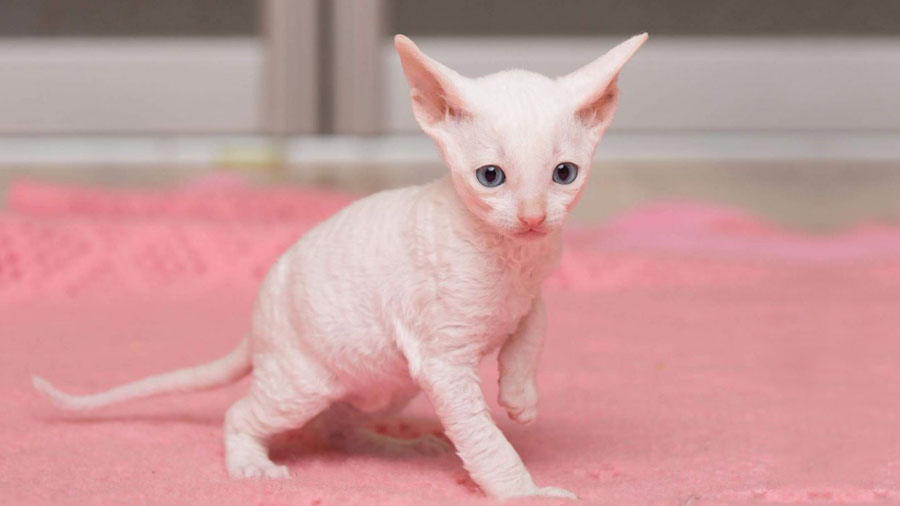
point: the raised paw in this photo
(522, 414)
(520, 403)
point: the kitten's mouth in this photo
(531, 233)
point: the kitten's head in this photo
(518, 144)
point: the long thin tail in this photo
(223, 371)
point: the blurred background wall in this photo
(789, 107)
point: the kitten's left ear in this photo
(434, 88)
(595, 86)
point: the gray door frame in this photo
(295, 87)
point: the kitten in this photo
(408, 289)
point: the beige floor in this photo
(816, 196)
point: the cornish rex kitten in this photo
(408, 289)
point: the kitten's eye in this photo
(490, 176)
(565, 173)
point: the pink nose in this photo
(532, 221)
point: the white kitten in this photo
(408, 289)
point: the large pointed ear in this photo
(595, 88)
(434, 88)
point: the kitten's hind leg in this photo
(274, 405)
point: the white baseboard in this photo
(690, 84)
(727, 145)
(411, 149)
(130, 85)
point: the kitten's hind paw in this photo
(258, 470)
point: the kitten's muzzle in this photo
(532, 221)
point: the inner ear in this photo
(599, 109)
(434, 105)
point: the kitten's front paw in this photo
(556, 492)
(543, 492)
(520, 403)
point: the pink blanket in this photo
(695, 355)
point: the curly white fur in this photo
(409, 289)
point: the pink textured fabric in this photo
(211, 198)
(71, 241)
(695, 355)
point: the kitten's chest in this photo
(488, 297)
(510, 299)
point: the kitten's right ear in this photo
(595, 88)
(434, 88)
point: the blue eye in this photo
(565, 173)
(490, 176)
